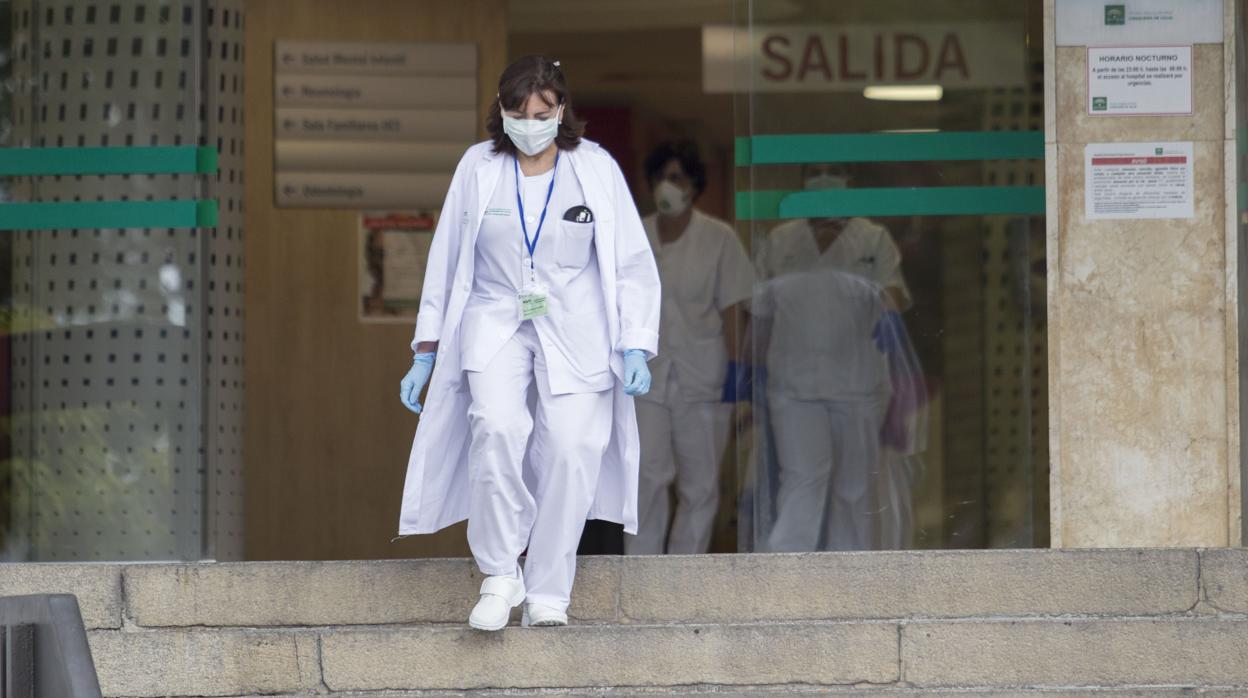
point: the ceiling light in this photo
(904, 93)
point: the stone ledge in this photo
(716, 691)
(1174, 652)
(260, 594)
(97, 587)
(586, 656)
(898, 585)
(204, 663)
(1224, 576)
(717, 588)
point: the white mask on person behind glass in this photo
(532, 136)
(826, 181)
(670, 199)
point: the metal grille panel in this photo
(127, 368)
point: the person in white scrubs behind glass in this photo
(833, 288)
(541, 304)
(684, 420)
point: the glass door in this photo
(889, 174)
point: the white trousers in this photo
(829, 459)
(563, 438)
(682, 442)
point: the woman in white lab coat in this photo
(707, 278)
(541, 307)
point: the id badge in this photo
(533, 303)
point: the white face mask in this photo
(670, 199)
(827, 181)
(532, 136)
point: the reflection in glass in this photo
(830, 335)
(898, 338)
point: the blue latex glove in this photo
(888, 332)
(636, 373)
(414, 381)
(738, 383)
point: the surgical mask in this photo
(532, 136)
(670, 199)
(827, 181)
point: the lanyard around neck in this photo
(532, 244)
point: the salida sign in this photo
(851, 57)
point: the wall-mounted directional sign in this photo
(370, 124)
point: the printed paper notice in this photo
(1138, 180)
(394, 248)
(1146, 81)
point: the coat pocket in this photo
(575, 242)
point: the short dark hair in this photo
(526, 76)
(684, 152)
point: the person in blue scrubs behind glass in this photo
(540, 280)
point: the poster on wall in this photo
(1132, 181)
(1138, 22)
(394, 248)
(1140, 81)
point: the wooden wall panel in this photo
(326, 438)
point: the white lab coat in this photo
(574, 335)
(435, 491)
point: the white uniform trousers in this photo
(569, 435)
(680, 441)
(829, 459)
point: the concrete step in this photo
(693, 589)
(1004, 622)
(998, 654)
(716, 691)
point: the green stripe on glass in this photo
(889, 147)
(759, 205)
(41, 162)
(742, 152)
(928, 201)
(108, 214)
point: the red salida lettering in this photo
(903, 70)
(770, 51)
(951, 57)
(846, 73)
(814, 58)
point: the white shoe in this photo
(536, 614)
(498, 596)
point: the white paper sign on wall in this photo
(1139, 81)
(1138, 181)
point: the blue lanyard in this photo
(532, 244)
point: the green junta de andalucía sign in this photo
(1115, 15)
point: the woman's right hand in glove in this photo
(414, 381)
